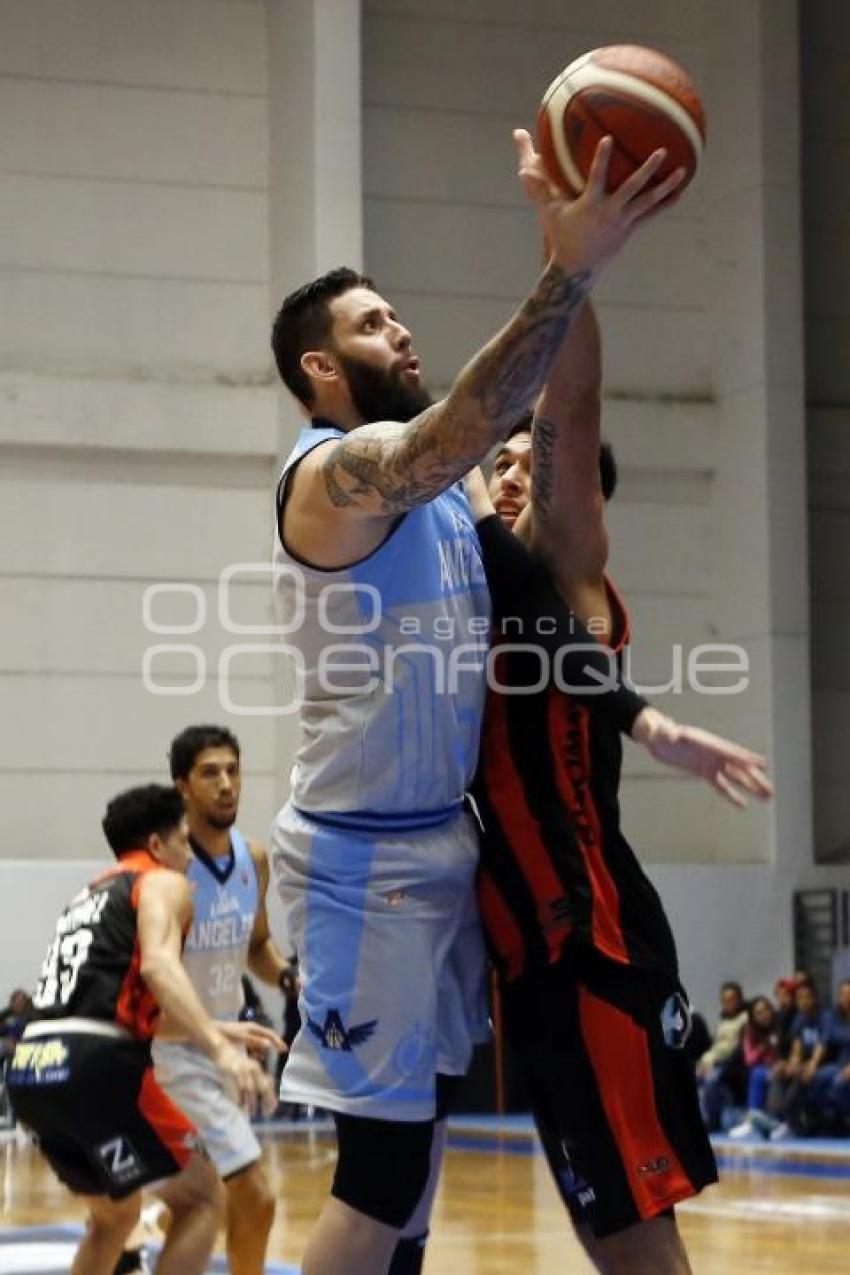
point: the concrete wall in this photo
(168, 169)
(137, 418)
(702, 325)
(825, 32)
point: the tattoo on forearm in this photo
(519, 362)
(389, 468)
(544, 466)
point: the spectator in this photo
(789, 1098)
(13, 1020)
(786, 1011)
(699, 1039)
(760, 1055)
(830, 1086)
(721, 1069)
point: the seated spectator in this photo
(699, 1039)
(789, 1098)
(760, 1055)
(785, 993)
(720, 1068)
(13, 1020)
(830, 1086)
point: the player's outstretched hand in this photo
(255, 1091)
(583, 233)
(258, 1040)
(734, 771)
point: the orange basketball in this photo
(639, 97)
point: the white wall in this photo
(137, 414)
(155, 202)
(825, 32)
(702, 326)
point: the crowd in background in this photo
(778, 1067)
(773, 1068)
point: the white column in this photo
(761, 574)
(315, 182)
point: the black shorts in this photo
(614, 1096)
(101, 1120)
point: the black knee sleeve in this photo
(383, 1166)
(409, 1256)
(447, 1090)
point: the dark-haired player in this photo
(229, 935)
(593, 1004)
(81, 1078)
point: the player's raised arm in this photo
(383, 468)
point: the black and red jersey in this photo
(555, 866)
(92, 966)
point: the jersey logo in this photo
(120, 1160)
(647, 1168)
(676, 1021)
(335, 1035)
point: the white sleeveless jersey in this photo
(390, 656)
(225, 901)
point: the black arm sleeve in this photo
(521, 588)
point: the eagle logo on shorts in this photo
(335, 1035)
(676, 1021)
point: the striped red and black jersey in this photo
(92, 965)
(555, 867)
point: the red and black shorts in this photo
(101, 1120)
(601, 1048)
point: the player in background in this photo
(81, 1077)
(229, 936)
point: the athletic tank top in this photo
(556, 870)
(225, 901)
(390, 656)
(92, 965)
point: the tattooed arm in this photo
(568, 522)
(344, 495)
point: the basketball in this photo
(638, 96)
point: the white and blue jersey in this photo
(391, 654)
(225, 901)
(374, 855)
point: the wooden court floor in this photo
(497, 1212)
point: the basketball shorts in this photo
(99, 1115)
(197, 1086)
(392, 962)
(601, 1048)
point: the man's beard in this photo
(380, 394)
(220, 819)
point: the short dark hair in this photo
(608, 473)
(191, 742)
(304, 323)
(731, 986)
(133, 815)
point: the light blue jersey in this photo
(374, 856)
(392, 655)
(225, 901)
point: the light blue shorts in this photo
(392, 962)
(197, 1086)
